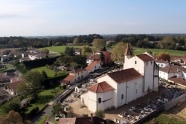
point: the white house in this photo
(12, 86)
(95, 65)
(36, 56)
(172, 71)
(74, 76)
(138, 77)
(162, 63)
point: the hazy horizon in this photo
(71, 17)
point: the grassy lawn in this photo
(42, 120)
(50, 73)
(165, 119)
(9, 67)
(156, 51)
(45, 96)
(61, 49)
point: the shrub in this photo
(34, 110)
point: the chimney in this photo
(92, 120)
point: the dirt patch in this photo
(178, 111)
(12, 49)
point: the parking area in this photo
(133, 111)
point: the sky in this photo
(82, 17)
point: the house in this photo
(96, 65)
(172, 71)
(74, 76)
(77, 51)
(5, 77)
(82, 120)
(96, 57)
(34, 56)
(138, 77)
(12, 86)
(162, 63)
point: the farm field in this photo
(50, 73)
(156, 51)
(12, 49)
(61, 49)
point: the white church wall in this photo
(121, 90)
(106, 100)
(156, 83)
(149, 76)
(92, 101)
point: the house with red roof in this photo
(74, 76)
(95, 65)
(138, 77)
(12, 86)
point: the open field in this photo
(61, 49)
(12, 49)
(156, 51)
(50, 73)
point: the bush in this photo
(100, 114)
(34, 110)
(64, 86)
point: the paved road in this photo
(48, 109)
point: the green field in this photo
(50, 73)
(45, 96)
(156, 51)
(61, 49)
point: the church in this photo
(138, 77)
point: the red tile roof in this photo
(161, 61)
(125, 75)
(67, 121)
(92, 65)
(178, 80)
(145, 57)
(77, 70)
(68, 78)
(128, 51)
(83, 120)
(101, 87)
(13, 85)
(172, 69)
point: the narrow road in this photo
(48, 109)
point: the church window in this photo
(135, 62)
(122, 96)
(99, 100)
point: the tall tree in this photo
(57, 109)
(102, 57)
(69, 51)
(164, 56)
(98, 43)
(86, 49)
(118, 52)
(31, 83)
(76, 40)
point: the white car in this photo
(56, 117)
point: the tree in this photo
(102, 57)
(69, 51)
(57, 109)
(76, 40)
(86, 49)
(13, 118)
(73, 65)
(49, 42)
(11, 105)
(46, 51)
(31, 83)
(164, 56)
(44, 75)
(100, 114)
(118, 52)
(98, 43)
(104, 49)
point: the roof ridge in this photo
(101, 86)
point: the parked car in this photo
(57, 117)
